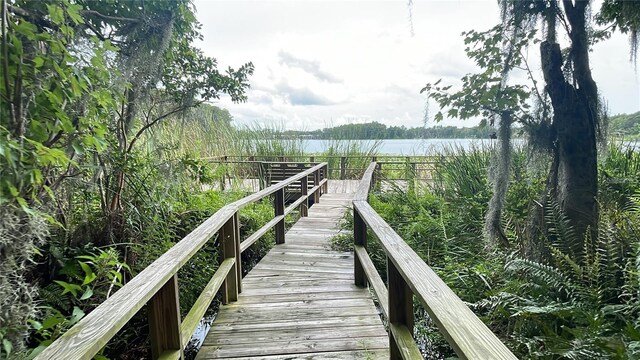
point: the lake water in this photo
(402, 146)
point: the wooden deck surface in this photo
(300, 301)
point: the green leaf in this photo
(38, 61)
(7, 346)
(69, 288)
(89, 275)
(36, 325)
(87, 294)
(52, 321)
(76, 316)
(74, 13)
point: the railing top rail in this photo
(465, 332)
(275, 187)
(362, 192)
(90, 334)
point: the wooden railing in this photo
(157, 285)
(408, 276)
(417, 167)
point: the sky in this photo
(328, 63)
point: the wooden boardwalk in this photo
(300, 301)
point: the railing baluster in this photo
(325, 175)
(278, 205)
(400, 306)
(236, 240)
(304, 186)
(360, 238)
(316, 182)
(164, 320)
(343, 167)
(229, 249)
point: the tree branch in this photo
(107, 17)
(150, 124)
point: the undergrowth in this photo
(564, 308)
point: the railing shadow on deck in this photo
(157, 285)
(407, 276)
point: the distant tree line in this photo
(627, 125)
(375, 130)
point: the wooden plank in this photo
(362, 193)
(307, 304)
(253, 315)
(369, 354)
(300, 282)
(305, 290)
(239, 338)
(294, 347)
(262, 299)
(301, 323)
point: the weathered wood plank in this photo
(301, 323)
(369, 354)
(294, 347)
(303, 297)
(238, 338)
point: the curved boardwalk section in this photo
(300, 301)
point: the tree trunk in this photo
(573, 177)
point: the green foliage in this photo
(486, 93)
(574, 306)
(84, 281)
(625, 125)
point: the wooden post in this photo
(228, 248)
(400, 305)
(377, 176)
(236, 225)
(316, 182)
(312, 159)
(343, 167)
(304, 187)
(412, 176)
(325, 175)
(360, 238)
(264, 175)
(278, 205)
(164, 320)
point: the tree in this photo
(81, 82)
(567, 121)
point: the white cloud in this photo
(321, 63)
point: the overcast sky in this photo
(327, 63)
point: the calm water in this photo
(403, 146)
